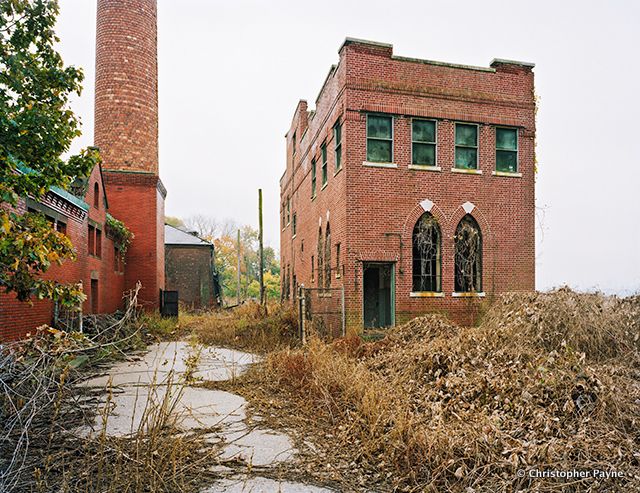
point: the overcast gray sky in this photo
(231, 73)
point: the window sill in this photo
(324, 186)
(507, 173)
(424, 167)
(337, 171)
(467, 171)
(324, 295)
(379, 165)
(313, 197)
(294, 237)
(469, 295)
(425, 294)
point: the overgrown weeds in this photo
(249, 326)
(548, 381)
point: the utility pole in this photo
(238, 292)
(262, 297)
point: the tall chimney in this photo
(126, 132)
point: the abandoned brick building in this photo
(190, 268)
(127, 184)
(411, 185)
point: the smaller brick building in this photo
(99, 266)
(411, 185)
(190, 269)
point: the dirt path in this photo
(249, 454)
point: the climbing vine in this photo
(118, 232)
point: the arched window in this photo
(327, 258)
(468, 256)
(96, 195)
(320, 254)
(427, 267)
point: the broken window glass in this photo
(379, 139)
(426, 255)
(468, 256)
(507, 150)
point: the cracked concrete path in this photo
(156, 378)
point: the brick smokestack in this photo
(126, 105)
(126, 131)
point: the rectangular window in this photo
(288, 210)
(379, 139)
(466, 146)
(337, 260)
(323, 149)
(507, 150)
(313, 177)
(295, 223)
(98, 243)
(92, 240)
(61, 227)
(313, 268)
(294, 144)
(337, 139)
(423, 142)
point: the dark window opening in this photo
(507, 150)
(320, 253)
(337, 259)
(98, 252)
(337, 139)
(466, 146)
(379, 139)
(96, 196)
(313, 178)
(327, 258)
(423, 142)
(323, 150)
(92, 240)
(468, 256)
(295, 224)
(427, 267)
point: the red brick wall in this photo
(372, 211)
(18, 318)
(126, 131)
(189, 271)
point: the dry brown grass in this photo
(547, 381)
(246, 327)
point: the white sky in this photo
(231, 73)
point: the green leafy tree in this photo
(36, 130)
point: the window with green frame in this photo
(337, 139)
(506, 150)
(423, 142)
(466, 146)
(323, 150)
(294, 225)
(313, 177)
(379, 139)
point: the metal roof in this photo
(175, 236)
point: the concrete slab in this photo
(244, 484)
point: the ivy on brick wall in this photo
(118, 232)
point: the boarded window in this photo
(337, 139)
(427, 265)
(507, 150)
(468, 256)
(423, 145)
(379, 139)
(466, 146)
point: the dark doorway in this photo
(94, 296)
(378, 291)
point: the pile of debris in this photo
(547, 382)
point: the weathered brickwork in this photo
(372, 210)
(126, 131)
(189, 270)
(18, 318)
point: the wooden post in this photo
(262, 297)
(238, 248)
